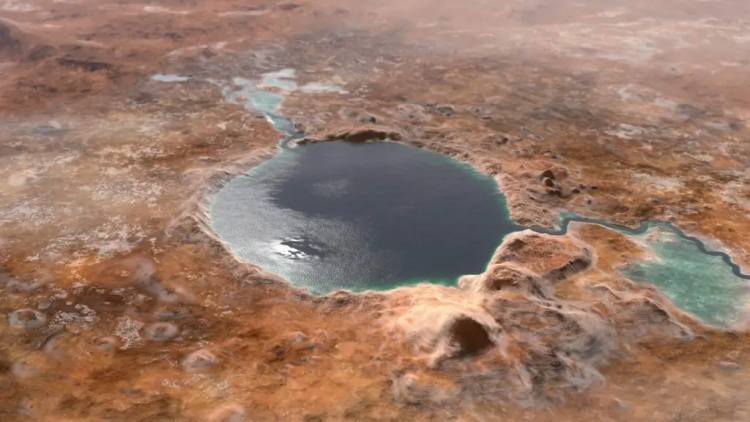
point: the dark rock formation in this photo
(11, 45)
(359, 134)
(470, 337)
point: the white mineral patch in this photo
(17, 6)
(85, 317)
(86, 43)
(168, 77)
(659, 182)
(160, 9)
(317, 87)
(129, 331)
(199, 360)
(702, 157)
(267, 94)
(238, 13)
(625, 131)
(22, 178)
(281, 79)
(30, 212)
(612, 13)
(737, 192)
(113, 238)
(640, 94)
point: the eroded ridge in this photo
(530, 341)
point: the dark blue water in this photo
(340, 215)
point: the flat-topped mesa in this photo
(553, 258)
(356, 134)
(505, 276)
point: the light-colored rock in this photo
(27, 319)
(161, 331)
(228, 413)
(199, 360)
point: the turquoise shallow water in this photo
(701, 281)
(381, 215)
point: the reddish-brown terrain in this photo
(119, 303)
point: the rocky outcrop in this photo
(11, 44)
(356, 134)
(468, 336)
(440, 325)
(231, 412)
(27, 319)
(17, 45)
(504, 276)
(554, 258)
(508, 323)
(200, 360)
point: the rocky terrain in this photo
(121, 304)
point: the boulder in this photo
(161, 331)
(199, 360)
(27, 319)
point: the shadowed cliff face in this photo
(120, 303)
(10, 44)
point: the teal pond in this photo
(699, 280)
(699, 283)
(379, 215)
